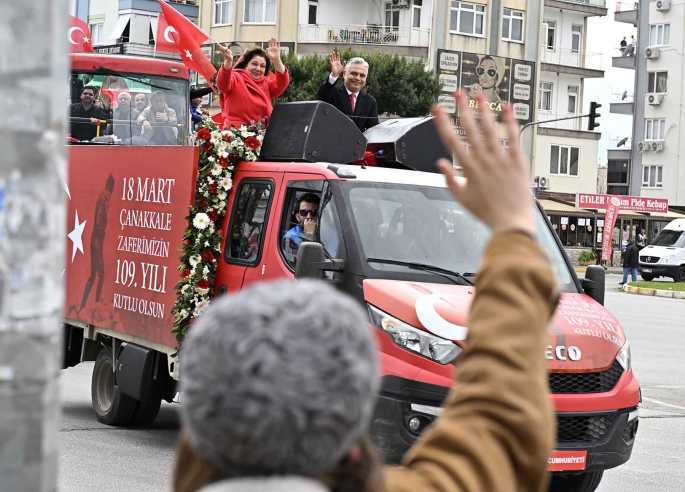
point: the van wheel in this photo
(111, 406)
(146, 413)
(647, 277)
(583, 482)
(679, 274)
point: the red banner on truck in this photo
(127, 209)
(628, 203)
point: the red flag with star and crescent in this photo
(79, 36)
(187, 39)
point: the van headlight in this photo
(667, 259)
(413, 339)
(624, 357)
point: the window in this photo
(392, 15)
(512, 25)
(564, 160)
(223, 12)
(576, 38)
(416, 13)
(260, 11)
(617, 172)
(545, 96)
(659, 34)
(313, 8)
(467, 18)
(96, 32)
(549, 29)
(655, 129)
(572, 98)
(652, 176)
(656, 82)
(250, 213)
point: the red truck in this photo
(394, 239)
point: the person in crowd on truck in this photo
(246, 89)
(348, 97)
(159, 121)
(124, 124)
(283, 399)
(81, 128)
(141, 102)
(631, 260)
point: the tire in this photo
(146, 413)
(583, 482)
(647, 277)
(679, 274)
(110, 405)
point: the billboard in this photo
(502, 80)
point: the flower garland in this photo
(220, 152)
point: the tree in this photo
(400, 86)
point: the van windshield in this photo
(425, 225)
(670, 239)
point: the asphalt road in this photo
(96, 457)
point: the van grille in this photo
(649, 259)
(587, 382)
(583, 429)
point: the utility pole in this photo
(33, 94)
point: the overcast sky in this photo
(604, 35)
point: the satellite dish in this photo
(625, 94)
(622, 142)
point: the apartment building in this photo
(657, 169)
(565, 152)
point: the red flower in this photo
(185, 273)
(252, 142)
(203, 284)
(213, 215)
(213, 188)
(208, 147)
(204, 134)
(208, 256)
(233, 158)
(227, 138)
(222, 161)
(202, 204)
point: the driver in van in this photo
(159, 112)
(306, 213)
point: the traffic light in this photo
(594, 116)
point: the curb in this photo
(668, 294)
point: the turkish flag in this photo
(79, 36)
(187, 38)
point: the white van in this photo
(665, 257)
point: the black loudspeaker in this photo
(311, 131)
(411, 143)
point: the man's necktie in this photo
(352, 98)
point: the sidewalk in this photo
(614, 270)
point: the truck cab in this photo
(665, 257)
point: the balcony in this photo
(627, 62)
(574, 124)
(622, 103)
(189, 8)
(566, 60)
(368, 34)
(626, 12)
(589, 7)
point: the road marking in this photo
(679, 386)
(663, 403)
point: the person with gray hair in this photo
(348, 97)
(278, 381)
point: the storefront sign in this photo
(114, 49)
(628, 203)
(610, 219)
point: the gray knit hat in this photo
(278, 379)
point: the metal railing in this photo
(571, 58)
(592, 3)
(622, 97)
(363, 34)
(573, 124)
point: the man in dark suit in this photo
(348, 97)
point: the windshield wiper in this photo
(114, 73)
(448, 274)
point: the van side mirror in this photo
(312, 262)
(593, 283)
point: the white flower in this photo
(222, 152)
(206, 244)
(222, 205)
(201, 221)
(212, 228)
(202, 292)
(201, 306)
(260, 137)
(185, 288)
(184, 313)
(216, 170)
(211, 158)
(210, 180)
(222, 196)
(216, 136)
(205, 271)
(226, 183)
(195, 260)
(242, 128)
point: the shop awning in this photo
(670, 215)
(558, 208)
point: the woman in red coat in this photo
(248, 88)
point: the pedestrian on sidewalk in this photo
(641, 239)
(279, 380)
(630, 262)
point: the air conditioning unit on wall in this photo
(652, 53)
(542, 182)
(401, 3)
(644, 147)
(663, 5)
(654, 99)
(657, 146)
